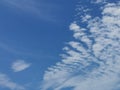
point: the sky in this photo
(59, 45)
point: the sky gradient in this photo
(59, 45)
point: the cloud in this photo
(20, 65)
(99, 1)
(6, 82)
(41, 9)
(12, 50)
(92, 60)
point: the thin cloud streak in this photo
(10, 49)
(43, 10)
(23, 52)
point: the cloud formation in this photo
(94, 55)
(20, 65)
(6, 82)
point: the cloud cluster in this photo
(92, 60)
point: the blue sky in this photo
(59, 45)
(34, 31)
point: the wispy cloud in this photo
(92, 61)
(6, 82)
(41, 9)
(15, 50)
(10, 49)
(20, 65)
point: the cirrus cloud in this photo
(43, 10)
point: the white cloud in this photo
(20, 65)
(99, 1)
(92, 61)
(74, 27)
(86, 18)
(6, 82)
